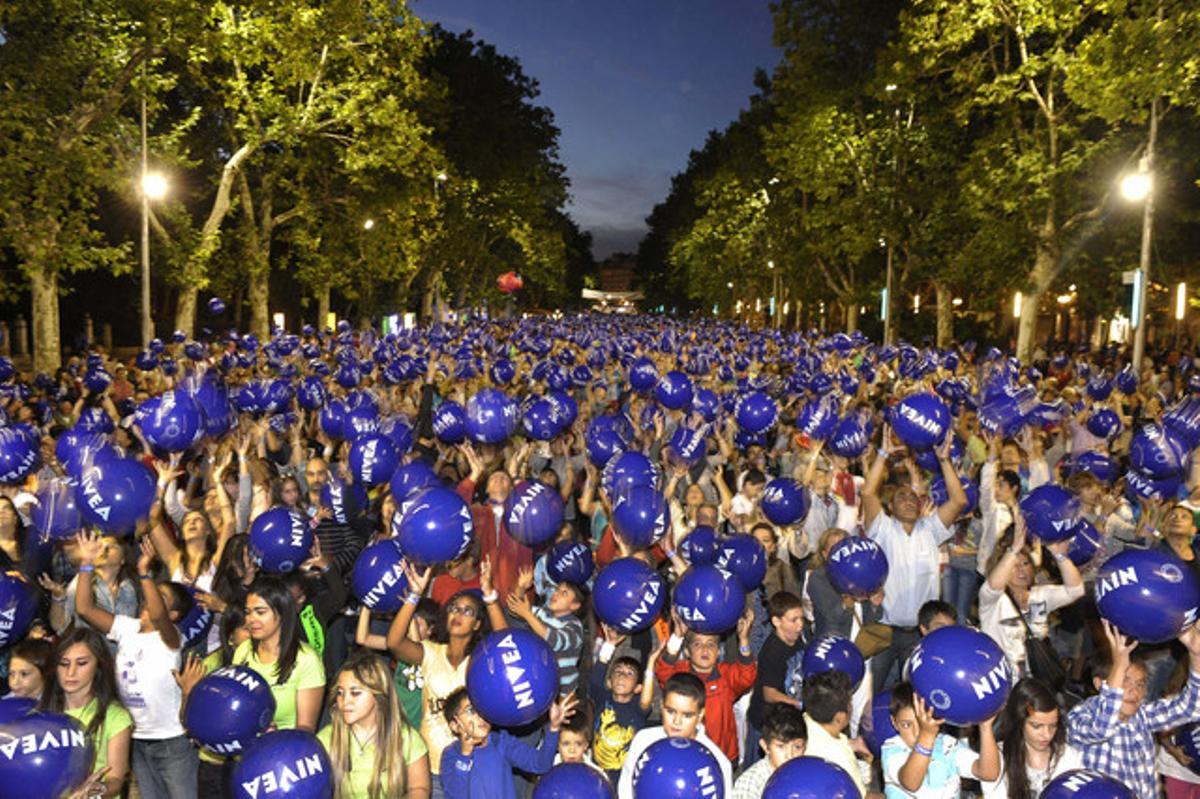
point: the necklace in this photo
(362, 745)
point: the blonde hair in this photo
(826, 540)
(391, 731)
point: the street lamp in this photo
(153, 187)
(368, 224)
(1139, 187)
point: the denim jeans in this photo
(892, 659)
(960, 587)
(166, 769)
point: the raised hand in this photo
(485, 576)
(90, 545)
(56, 590)
(927, 723)
(562, 709)
(418, 580)
(192, 672)
(147, 557)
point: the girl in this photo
(1033, 744)
(275, 651)
(374, 751)
(113, 591)
(29, 668)
(443, 660)
(85, 688)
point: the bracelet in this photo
(744, 649)
(670, 554)
(87, 567)
(1059, 555)
(412, 599)
(59, 600)
(490, 598)
(922, 750)
(145, 576)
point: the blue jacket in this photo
(486, 773)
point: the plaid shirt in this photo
(1125, 750)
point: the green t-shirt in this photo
(308, 672)
(362, 764)
(410, 690)
(116, 719)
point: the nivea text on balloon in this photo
(387, 580)
(59, 739)
(282, 777)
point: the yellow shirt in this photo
(362, 763)
(441, 680)
(308, 672)
(116, 719)
(835, 750)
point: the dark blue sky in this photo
(634, 86)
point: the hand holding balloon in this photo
(193, 671)
(1121, 649)
(90, 546)
(418, 581)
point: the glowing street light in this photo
(368, 224)
(154, 185)
(1180, 302)
(1017, 299)
(1136, 186)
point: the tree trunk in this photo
(1045, 267)
(47, 351)
(322, 307)
(852, 310)
(185, 310)
(427, 301)
(259, 294)
(945, 315)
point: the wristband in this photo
(605, 653)
(922, 750)
(670, 554)
(674, 644)
(59, 600)
(87, 567)
(744, 649)
(145, 576)
(1059, 555)
(490, 598)
(412, 599)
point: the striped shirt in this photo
(565, 636)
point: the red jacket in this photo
(726, 684)
(508, 554)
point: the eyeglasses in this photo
(469, 611)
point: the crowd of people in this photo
(113, 640)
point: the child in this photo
(29, 667)
(724, 683)
(682, 711)
(479, 764)
(622, 699)
(575, 739)
(557, 621)
(827, 715)
(920, 761)
(1114, 730)
(786, 612)
(784, 736)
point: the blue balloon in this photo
(534, 513)
(857, 566)
(332, 418)
(961, 674)
(674, 390)
(288, 763)
(810, 778)
(377, 578)
(228, 709)
(433, 526)
(706, 403)
(756, 413)
(1099, 387)
(1157, 452)
(193, 627)
(709, 600)
(1085, 784)
(628, 595)
(851, 436)
(566, 410)
(216, 306)
(940, 494)
(399, 432)
(573, 781)
(700, 546)
(1051, 512)
(450, 422)
(97, 380)
(76, 449)
(1127, 381)
(280, 540)
(640, 516)
(921, 420)
(745, 558)
(642, 375)
(602, 444)
(491, 416)
(18, 607)
(687, 446)
(217, 411)
(570, 562)
(677, 768)
(784, 501)
(540, 421)
(512, 677)
(1104, 423)
(1099, 465)
(13, 707)
(95, 420)
(335, 495)
(47, 756)
(877, 726)
(56, 514)
(818, 418)
(373, 459)
(19, 455)
(1148, 594)
(174, 424)
(115, 493)
(502, 372)
(1084, 544)
(410, 478)
(833, 653)
(312, 394)
(626, 471)
(360, 421)
(1138, 485)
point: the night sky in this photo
(634, 86)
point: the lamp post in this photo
(153, 187)
(1139, 187)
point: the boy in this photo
(479, 764)
(557, 622)
(682, 712)
(919, 761)
(934, 615)
(827, 715)
(1114, 731)
(575, 739)
(784, 737)
(724, 684)
(622, 699)
(786, 612)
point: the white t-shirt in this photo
(998, 617)
(1070, 759)
(649, 735)
(950, 763)
(913, 574)
(148, 689)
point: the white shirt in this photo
(996, 517)
(148, 689)
(1070, 759)
(951, 762)
(912, 565)
(649, 735)
(998, 617)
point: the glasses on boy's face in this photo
(469, 611)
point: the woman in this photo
(1010, 593)
(12, 536)
(113, 587)
(194, 562)
(374, 751)
(833, 614)
(275, 650)
(85, 688)
(1033, 744)
(443, 660)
